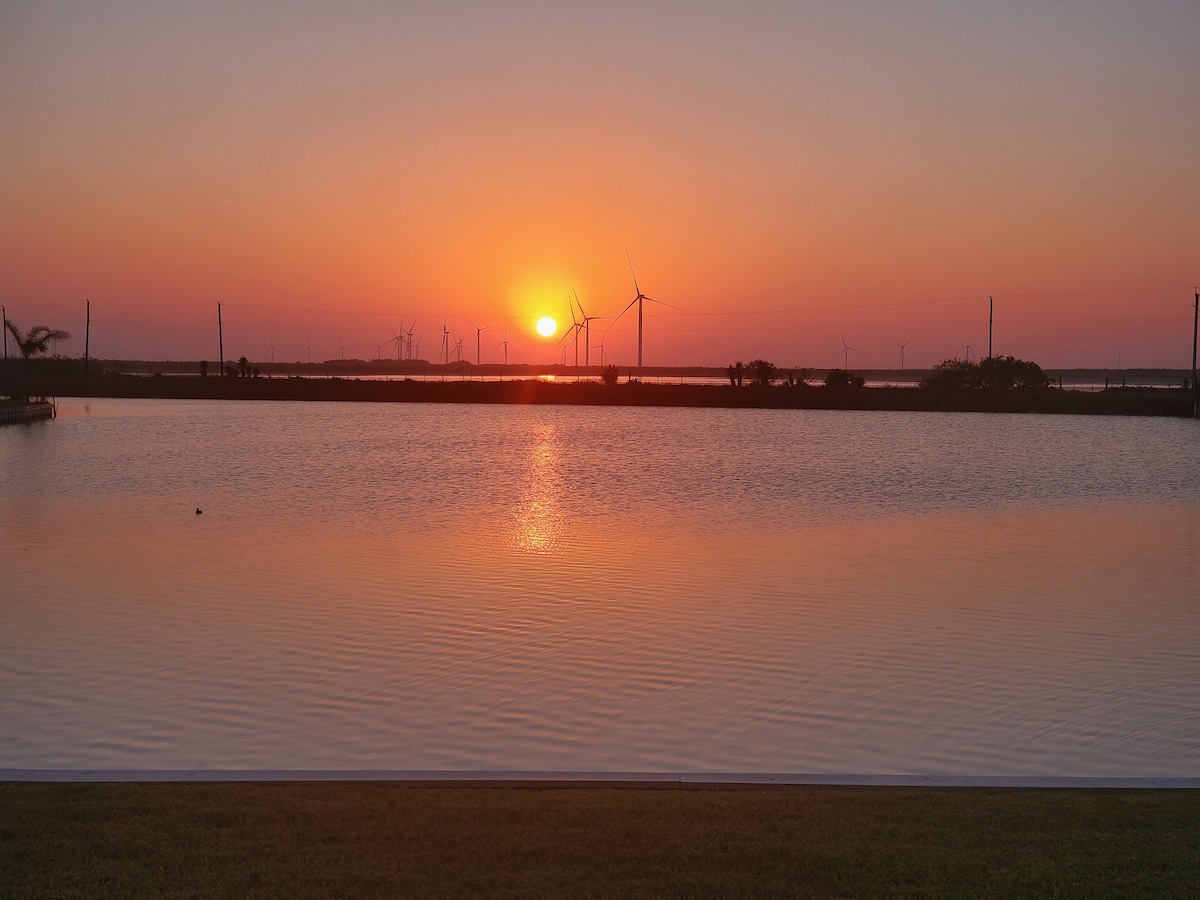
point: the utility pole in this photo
(221, 339)
(87, 335)
(989, 327)
(1195, 326)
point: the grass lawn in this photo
(382, 840)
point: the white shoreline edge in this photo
(697, 779)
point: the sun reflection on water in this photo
(537, 519)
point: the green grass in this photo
(374, 840)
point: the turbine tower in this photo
(846, 353)
(587, 331)
(478, 336)
(638, 300)
(572, 332)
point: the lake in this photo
(458, 587)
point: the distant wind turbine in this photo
(571, 334)
(272, 350)
(638, 300)
(587, 330)
(398, 339)
(504, 343)
(846, 352)
(308, 349)
(446, 342)
(478, 337)
(902, 346)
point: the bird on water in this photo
(199, 511)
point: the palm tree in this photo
(34, 342)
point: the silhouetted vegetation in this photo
(36, 341)
(609, 375)
(30, 344)
(840, 379)
(736, 372)
(204, 368)
(995, 373)
(762, 372)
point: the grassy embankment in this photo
(374, 840)
(1145, 402)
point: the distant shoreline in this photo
(1124, 402)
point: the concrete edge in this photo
(584, 779)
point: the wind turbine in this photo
(572, 332)
(505, 345)
(341, 348)
(398, 339)
(587, 331)
(478, 336)
(308, 349)
(446, 342)
(411, 326)
(458, 342)
(902, 346)
(638, 300)
(846, 353)
(272, 350)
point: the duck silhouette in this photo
(199, 511)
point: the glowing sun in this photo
(546, 326)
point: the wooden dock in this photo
(28, 412)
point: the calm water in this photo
(473, 587)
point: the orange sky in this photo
(785, 176)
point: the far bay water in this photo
(463, 587)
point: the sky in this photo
(793, 179)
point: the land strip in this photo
(1134, 401)
(387, 839)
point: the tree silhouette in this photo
(840, 379)
(996, 373)
(609, 375)
(36, 341)
(762, 372)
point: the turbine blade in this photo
(662, 303)
(618, 318)
(633, 273)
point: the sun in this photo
(546, 326)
